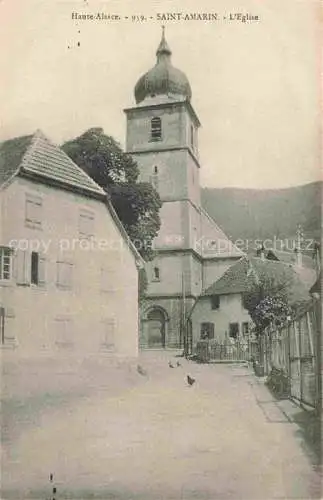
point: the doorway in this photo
(156, 329)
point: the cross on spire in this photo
(163, 48)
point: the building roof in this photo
(36, 155)
(306, 272)
(290, 258)
(214, 243)
(243, 274)
(317, 287)
(163, 78)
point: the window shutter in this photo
(42, 270)
(108, 280)
(65, 275)
(22, 267)
(33, 215)
(86, 224)
(109, 329)
(64, 332)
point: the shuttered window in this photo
(5, 263)
(156, 129)
(64, 279)
(86, 224)
(22, 267)
(108, 279)
(34, 208)
(108, 334)
(64, 338)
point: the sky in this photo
(255, 85)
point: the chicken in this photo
(190, 380)
(178, 363)
(170, 365)
(141, 370)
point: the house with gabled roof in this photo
(219, 312)
(68, 271)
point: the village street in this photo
(150, 437)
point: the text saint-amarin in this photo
(190, 16)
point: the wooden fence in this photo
(295, 349)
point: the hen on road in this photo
(190, 380)
(141, 370)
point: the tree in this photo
(268, 300)
(136, 203)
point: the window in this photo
(156, 274)
(37, 269)
(108, 280)
(233, 330)
(215, 301)
(34, 268)
(207, 331)
(86, 224)
(154, 178)
(108, 334)
(5, 263)
(64, 275)
(156, 129)
(64, 333)
(245, 328)
(33, 215)
(2, 324)
(7, 327)
(192, 137)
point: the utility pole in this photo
(183, 319)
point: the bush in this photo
(278, 383)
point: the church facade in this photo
(191, 250)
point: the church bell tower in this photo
(162, 136)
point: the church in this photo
(191, 251)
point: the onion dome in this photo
(163, 78)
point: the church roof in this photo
(163, 78)
(36, 155)
(214, 243)
(248, 270)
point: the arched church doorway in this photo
(156, 323)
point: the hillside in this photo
(252, 213)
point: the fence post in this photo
(318, 354)
(266, 353)
(288, 360)
(301, 365)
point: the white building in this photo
(68, 273)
